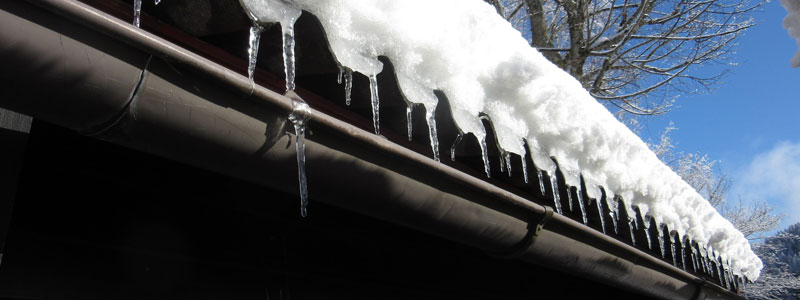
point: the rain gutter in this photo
(106, 78)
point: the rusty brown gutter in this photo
(150, 94)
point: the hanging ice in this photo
(299, 117)
(137, 12)
(632, 226)
(288, 53)
(415, 93)
(524, 165)
(599, 204)
(502, 164)
(430, 115)
(556, 197)
(582, 206)
(683, 254)
(453, 148)
(541, 181)
(348, 85)
(373, 92)
(647, 232)
(483, 66)
(613, 212)
(252, 50)
(672, 247)
(661, 243)
(569, 197)
(485, 156)
(282, 12)
(408, 119)
(508, 162)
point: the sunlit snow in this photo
(484, 67)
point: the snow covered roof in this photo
(484, 66)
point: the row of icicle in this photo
(702, 259)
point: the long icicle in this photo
(541, 181)
(252, 50)
(582, 206)
(508, 163)
(376, 117)
(409, 111)
(485, 155)
(569, 197)
(599, 204)
(301, 112)
(524, 164)
(556, 197)
(430, 115)
(348, 85)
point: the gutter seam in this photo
(114, 120)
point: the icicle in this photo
(252, 51)
(683, 255)
(672, 247)
(288, 53)
(524, 165)
(373, 88)
(508, 163)
(569, 197)
(339, 76)
(661, 242)
(556, 197)
(541, 181)
(430, 115)
(599, 204)
(502, 164)
(582, 206)
(453, 148)
(299, 117)
(613, 211)
(137, 12)
(348, 85)
(632, 227)
(693, 256)
(485, 154)
(702, 259)
(409, 110)
(647, 233)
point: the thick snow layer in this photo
(484, 66)
(792, 24)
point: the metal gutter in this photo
(188, 108)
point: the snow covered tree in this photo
(635, 55)
(780, 278)
(699, 172)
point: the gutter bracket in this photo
(535, 226)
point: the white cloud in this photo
(792, 25)
(774, 176)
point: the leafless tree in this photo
(636, 55)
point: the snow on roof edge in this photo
(464, 49)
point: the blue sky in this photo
(751, 122)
